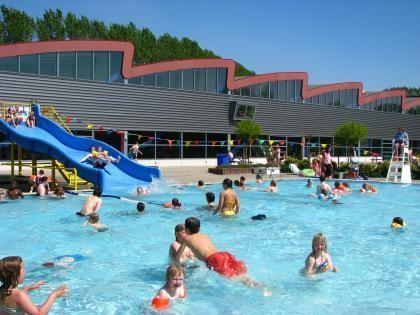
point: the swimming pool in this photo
(125, 266)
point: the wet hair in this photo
(59, 191)
(173, 271)
(337, 184)
(178, 228)
(227, 182)
(242, 178)
(44, 179)
(319, 237)
(176, 203)
(365, 186)
(192, 224)
(140, 206)
(9, 275)
(94, 218)
(259, 217)
(200, 183)
(97, 192)
(322, 178)
(345, 184)
(273, 183)
(258, 176)
(236, 182)
(41, 172)
(398, 220)
(210, 197)
(310, 180)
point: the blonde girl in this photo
(319, 260)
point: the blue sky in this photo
(375, 42)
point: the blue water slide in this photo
(50, 139)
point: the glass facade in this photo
(200, 80)
(101, 66)
(162, 79)
(67, 64)
(116, 59)
(85, 65)
(386, 104)
(175, 78)
(48, 64)
(9, 64)
(290, 90)
(211, 80)
(29, 64)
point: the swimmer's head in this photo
(227, 183)
(310, 181)
(97, 192)
(319, 242)
(210, 197)
(273, 183)
(346, 184)
(175, 275)
(322, 178)
(192, 225)
(94, 218)
(179, 231)
(99, 149)
(140, 207)
(41, 172)
(258, 177)
(44, 179)
(398, 220)
(12, 273)
(176, 203)
(236, 183)
(242, 179)
(337, 184)
(59, 191)
(200, 183)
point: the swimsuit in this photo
(226, 264)
(229, 208)
(322, 266)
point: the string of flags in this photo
(194, 143)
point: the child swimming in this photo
(172, 204)
(14, 300)
(397, 223)
(273, 186)
(368, 188)
(210, 199)
(173, 249)
(200, 184)
(258, 179)
(319, 260)
(174, 287)
(309, 183)
(94, 222)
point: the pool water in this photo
(125, 266)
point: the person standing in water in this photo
(228, 200)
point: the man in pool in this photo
(92, 203)
(223, 263)
(14, 193)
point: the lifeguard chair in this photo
(399, 170)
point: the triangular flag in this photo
(230, 142)
(282, 142)
(119, 132)
(365, 152)
(150, 138)
(324, 145)
(170, 142)
(271, 142)
(139, 137)
(262, 142)
(68, 119)
(213, 143)
(187, 143)
(89, 126)
(196, 143)
(222, 142)
(101, 129)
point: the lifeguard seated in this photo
(400, 141)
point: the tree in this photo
(51, 26)
(410, 91)
(349, 134)
(16, 26)
(249, 130)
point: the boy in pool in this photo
(142, 191)
(173, 249)
(223, 263)
(200, 184)
(309, 183)
(174, 287)
(94, 222)
(92, 203)
(273, 186)
(258, 179)
(173, 204)
(319, 260)
(368, 188)
(210, 199)
(397, 223)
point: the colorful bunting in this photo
(196, 143)
(170, 142)
(282, 142)
(222, 142)
(324, 145)
(213, 143)
(262, 142)
(230, 142)
(271, 142)
(238, 141)
(89, 126)
(68, 119)
(365, 152)
(187, 143)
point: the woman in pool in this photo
(174, 287)
(228, 200)
(12, 299)
(319, 260)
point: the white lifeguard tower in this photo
(399, 170)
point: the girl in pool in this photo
(319, 260)
(174, 287)
(273, 187)
(12, 299)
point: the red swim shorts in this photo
(226, 264)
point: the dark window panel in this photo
(67, 64)
(349, 98)
(188, 79)
(240, 111)
(101, 66)
(322, 99)
(149, 80)
(162, 79)
(9, 64)
(274, 90)
(394, 104)
(200, 80)
(245, 91)
(283, 90)
(291, 90)
(116, 67)
(29, 64)
(136, 80)
(85, 65)
(336, 98)
(250, 112)
(212, 80)
(264, 89)
(221, 80)
(236, 92)
(175, 79)
(255, 90)
(355, 103)
(342, 98)
(48, 64)
(315, 99)
(378, 105)
(298, 88)
(329, 98)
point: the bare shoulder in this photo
(162, 293)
